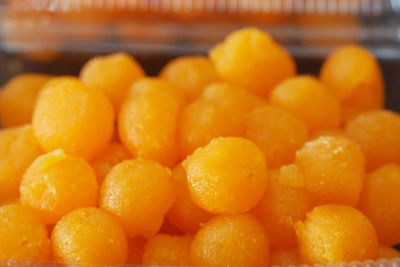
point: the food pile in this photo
(227, 160)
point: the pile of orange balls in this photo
(225, 160)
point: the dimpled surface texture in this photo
(138, 192)
(56, 184)
(228, 176)
(333, 169)
(277, 133)
(112, 74)
(18, 148)
(377, 132)
(250, 58)
(336, 233)
(148, 121)
(380, 202)
(285, 257)
(18, 98)
(22, 234)
(184, 213)
(309, 100)
(72, 117)
(236, 240)
(89, 236)
(168, 250)
(354, 76)
(191, 73)
(220, 111)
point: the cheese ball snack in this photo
(285, 257)
(135, 250)
(388, 253)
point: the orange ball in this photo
(184, 213)
(285, 202)
(380, 202)
(138, 192)
(168, 250)
(308, 99)
(70, 116)
(251, 59)
(222, 172)
(277, 133)
(377, 132)
(135, 250)
(18, 98)
(191, 73)
(22, 235)
(234, 241)
(148, 121)
(285, 257)
(89, 236)
(50, 185)
(113, 154)
(333, 169)
(336, 233)
(354, 76)
(388, 253)
(18, 148)
(113, 75)
(330, 132)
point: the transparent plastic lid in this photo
(305, 27)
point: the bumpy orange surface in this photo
(70, 116)
(228, 176)
(56, 184)
(148, 121)
(354, 76)
(168, 250)
(277, 133)
(250, 58)
(184, 213)
(380, 202)
(138, 192)
(336, 233)
(18, 98)
(191, 73)
(231, 241)
(309, 100)
(22, 235)
(285, 257)
(89, 236)
(333, 169)
(113, 75)
(377, 132)
(18, 148)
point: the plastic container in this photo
(58, 36)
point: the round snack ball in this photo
(72, 117)
(167, 250)
(18, 148)
(251, 59)
(191, 73)
(336, 233)
(388, 253)
(220, 111)
(236, 240)
(113, 154)
(277, 133)
(333, 169)
(148, 121)
(380, 202)
(358, 88)
(309, 100)
(138, 192)
(184, 213)
(56, 184)
(222, 172)
(377, 132)
(330, 132)
(285, 257)
(89, 236)
(18, 98)
(135, 250)
(112, 74)
(22, 235)
(282, 206)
